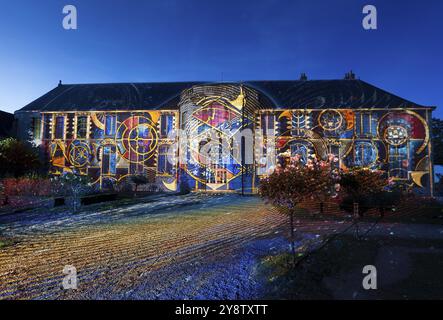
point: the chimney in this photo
(303, 77)
(60, 83)
(350, 75)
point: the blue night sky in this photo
(183, 40)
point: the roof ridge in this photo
(321, 93)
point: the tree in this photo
(287, 187)
(360, 187)
(17, 158)
(72, 185)
(330, 185)
(437, 140)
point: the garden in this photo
(25, 182)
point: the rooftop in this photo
(314, 94)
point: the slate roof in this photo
(313, 94)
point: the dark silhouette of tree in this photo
(360, 187)
(17, 158)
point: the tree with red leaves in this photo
(290, 185)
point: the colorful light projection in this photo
(110, 146)
(394, 141)
(211, 162)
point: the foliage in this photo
(3, 197)
(286, 187)
(437, 141)
(17, 158)
(387, 200)
(358, 183)
(370, 189)
(27, 186)
(72, 185)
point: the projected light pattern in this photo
(111, 146)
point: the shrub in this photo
(360, 186)
(27, 186)
(387, 200)
(17, 158)
(72, 185)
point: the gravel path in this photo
(178, 247)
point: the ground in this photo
(212, 247)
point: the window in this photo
(109, 160)
(398, 162)
(36, 127)
(166, 124)
(69, 126)
(365, 154)
(59, 127)
(364, 125)
(110, 125)
(164, 159)
(267, 124)
(82, 127)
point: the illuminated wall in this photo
(110, 146)
(395, 141)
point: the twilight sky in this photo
(211, 40)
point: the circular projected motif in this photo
(139, 138)
(79, 154)
(396, 135)
(330, 120)
(365, 154)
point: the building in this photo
(6, 124)
(113, 131)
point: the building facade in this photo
(226, 136)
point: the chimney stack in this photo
(60, 83)
(350, 75)
(303, 77)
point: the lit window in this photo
(36, 127)
(110, 125)
(109, 160)
(60, 127)
(164, 159)
(166, 124)
(267, 124)
(47, 120)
